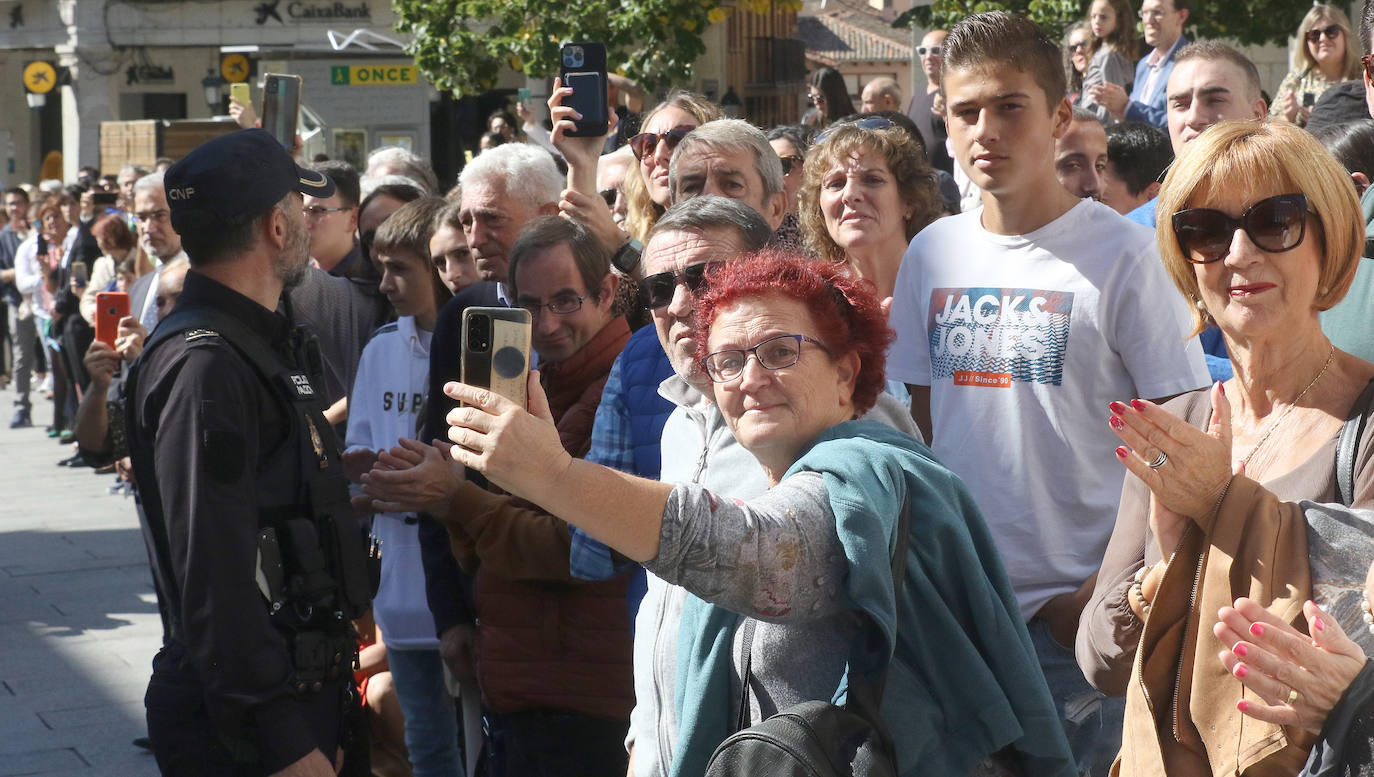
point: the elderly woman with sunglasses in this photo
(802, 574)
(868, 190)
(1326, 56)
(1212, 550)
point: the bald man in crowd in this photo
(881, 94)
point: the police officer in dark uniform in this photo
(259, 555)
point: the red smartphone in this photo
(110, 307)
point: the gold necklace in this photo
(1331, 354)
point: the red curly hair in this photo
(845, 309)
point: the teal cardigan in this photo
(963, 681)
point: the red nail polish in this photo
(1117, 407)
(1241, 671)
(1121, 452)
(1116, 423)
(1318, 625)
(1221, 387)
(1257, 629)
(1240, 649)
(1242, 705)
(1138, 405)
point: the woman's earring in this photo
(1200, 304)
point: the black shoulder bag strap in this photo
(1348, 443)
(865, 695)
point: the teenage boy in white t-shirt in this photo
(1016, 325)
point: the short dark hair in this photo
(345, 180)
(1011, 39)
(1352, 143)
(209, 246)
(451, 215)
(1212, 51)
(592, 259)
(18, 191)
(409, 228)
(1139, 153)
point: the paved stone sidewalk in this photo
(78, 618)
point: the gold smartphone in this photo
(243, 92)
(496, 350)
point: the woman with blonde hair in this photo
(867, 191)
(1326, 56)
(1217, 543)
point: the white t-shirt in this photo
(1024, 339)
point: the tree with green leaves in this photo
(1250, 22)
(461, 45)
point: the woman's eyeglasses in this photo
(1081, 45)
(1274, 224)
(657, 290)
(789, 163)
(775, 353)
(645, 143)
(1331, 32)
(871, 123)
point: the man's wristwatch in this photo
(626, 259)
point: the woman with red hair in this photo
(797, 584)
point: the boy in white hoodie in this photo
(384, 408)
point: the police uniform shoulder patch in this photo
(197, 334)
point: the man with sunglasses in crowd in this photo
(921, 109)
(333, 222)
(1162, 22)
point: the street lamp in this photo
(213, 84)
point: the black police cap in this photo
(235, 178)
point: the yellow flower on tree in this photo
(717, 15)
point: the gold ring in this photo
(1292, 697)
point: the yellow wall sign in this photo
(374, 75)
(235, 68)
(40, 77)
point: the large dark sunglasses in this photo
(645, 143)
(871, 123)
(1332, 32)
(789, 162)
(1275, 224)
(657, 290)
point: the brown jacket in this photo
(1181, 717)
(546, 640)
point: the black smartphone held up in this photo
(105, 199)
(496, 350)
(281, 107)
(583, 69)
(1309, 100)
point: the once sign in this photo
(374, 75)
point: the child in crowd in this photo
(1014, 326)
(1113, 52)
(385, 408)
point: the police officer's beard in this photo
(294, 261)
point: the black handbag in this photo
(817, 738)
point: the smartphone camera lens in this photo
(479, 334)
